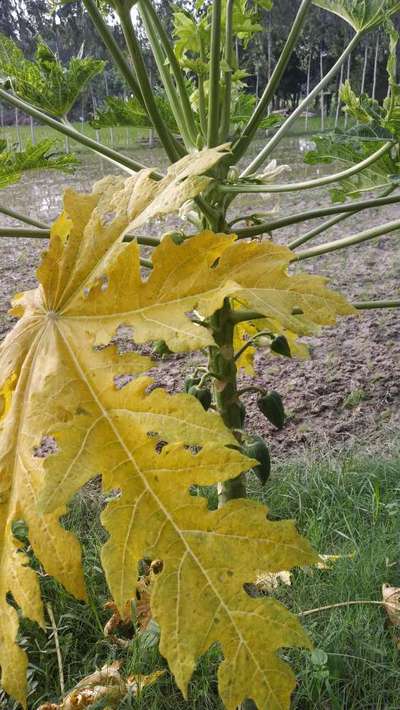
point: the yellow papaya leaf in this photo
(198, 275)
(184, 180)
(300, 303)
(54, 382)
(37, 347)
(208, 556)
(242, 333)
(50, 343)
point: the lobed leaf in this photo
(361, 14)
(45, 82)
(120, 112)
(54, 383)
(349, 149)
(47, 342)
(41, 156)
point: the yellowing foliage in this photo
(53, 382)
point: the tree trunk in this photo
(308, 87)
(222, 363)
(18, 132)
(346, 118)
(94, 107)
(257, 84)
(375, 67)
(269, 52)
(338, 96)
(111, 132)
(364, 71)
(33, 137)
(322, 97)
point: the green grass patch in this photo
(347, 504)
(119, 137)
(126, 138)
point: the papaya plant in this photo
(207, 287)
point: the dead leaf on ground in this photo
(121, 623)
(106, 686)
(391, 599)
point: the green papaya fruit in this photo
(256, 448)
(280, 346)
(190, 382)
(271, 406)
(203, 395)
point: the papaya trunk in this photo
(222, 365)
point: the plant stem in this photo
(250, 342)
(370, 305)
(45, 234)
(222, 364)
(226, 108)
(251, 390)
(23, 232)
(319, 229)
(356, 602)
(202, 107)
(378, 202)
(364, 236)
(147, 263)
(22, 217)
(57, 646)
(248, 132)
(339, 210)
(112, 46)
(213, 100)
(308, 184)
(163, 131)
(65, 122)
(179, 100)
(129, 165)
(202, 94)
(281, 132)
(243, 316)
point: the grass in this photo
(127, 137)
(347, 504)
(118, 137)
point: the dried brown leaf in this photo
(391, 598)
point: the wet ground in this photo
(350, 388)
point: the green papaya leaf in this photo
(45, 82)
(40, 156)
(120, 112)
(384, 119)
(361, 14)
(349, 149)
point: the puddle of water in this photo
(39, 193)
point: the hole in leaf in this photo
(47, 446)
(107, 218)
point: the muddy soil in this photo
(350, 387)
